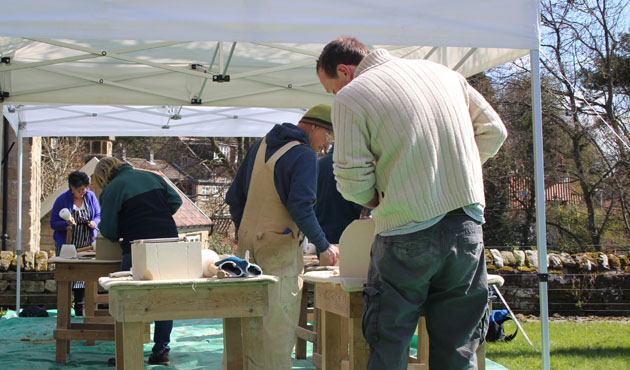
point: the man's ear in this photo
(346, 71)
(342, 70)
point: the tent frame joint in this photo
(3, 95)
(221, 78)
(198, 66)
(5, 60)
(195, 101)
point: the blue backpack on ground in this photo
(495, 327)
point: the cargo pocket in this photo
(369, 323)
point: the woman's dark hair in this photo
(344, 50)
(77, 179)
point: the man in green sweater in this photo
(411, 137)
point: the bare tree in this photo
(581, 36)
(60, 156)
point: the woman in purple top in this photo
(85, 214)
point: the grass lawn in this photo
(573, 345)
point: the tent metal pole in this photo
(541, 230)
(18, 235)
(2, 145)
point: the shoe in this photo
(159, 358)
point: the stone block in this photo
(29, 260)
(496, 257)
(41, 261)
(4, 285)
(4, 265)
(519, 256)
(532, 258)
(508, 258)
(50, 286)
(567, 260)
(31, 286)
(10, 276)
(554, 261)
(14, 264)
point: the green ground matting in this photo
(27, 343)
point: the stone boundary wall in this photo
(38, 283)
(583, 284)
(579, 285)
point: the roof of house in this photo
(157, 165)
(188, 215)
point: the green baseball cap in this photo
(319, 115)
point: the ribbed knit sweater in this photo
(415, 133)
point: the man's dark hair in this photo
(344, 50)
(77, 179)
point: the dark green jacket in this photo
(136, 205)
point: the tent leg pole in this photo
(18, 235)
(541, 230)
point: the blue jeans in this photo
(440, 270)
(162, 332)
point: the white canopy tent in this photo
(244, 53)
(101, 120)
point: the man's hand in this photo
(373, 203)
(92, 224)
(332, 253)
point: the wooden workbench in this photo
(241, 302)
(93, 326)
(340, 340)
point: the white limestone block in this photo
(520, 258)
(166, 260)
(532, 258)
(208, 260)
(497, 259)
(354, 248)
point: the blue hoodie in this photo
(295, 179)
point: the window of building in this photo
(205, 190)
(194, 237)
(97, 147)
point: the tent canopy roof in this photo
(100, 53)
(87, 120)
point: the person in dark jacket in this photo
(271, 201)
(85, 214)
(137, 205)
(334, 213)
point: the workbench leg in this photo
(63, 319)
(129, 349)
(359, 349)
(300, 344)
(331, 341)
(90, 294)
(423, 341)
(253, 346)
(233, 344)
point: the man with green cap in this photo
(271, 201)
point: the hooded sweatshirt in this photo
(295, 180)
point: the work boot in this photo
(159, 358)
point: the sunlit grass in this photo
(573, 345)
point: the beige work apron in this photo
(271, 237)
